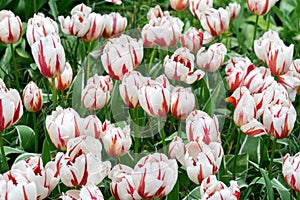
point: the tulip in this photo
(290, 171)
(177, 149)
(211, 189)
(202, 160)
(200, 5)
(116, 141)
(64, 80)
(121, 185)
(154, 13)
(154, 98)
(233, 9)
(291, 82)
(78, 24)
(121, 55)
(295, 68)
(40, 26)
(92, 126)
(131, 83)
(96, 28)
(49, 55)
(32, 97)
(23, 191)
(97, 92)
(214, 21)
(179, 5)
(213, 58)
(63, 125)
(182, 102)
(192, 39)
(89, 192)
(236, 70)
(11, 108)
(164, 31)
(114, 23)
(10, 27)
(260, 7)
(118, 2)
(181, 67)
(155, 175)
(201, 127)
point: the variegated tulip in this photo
(163, 32)
(78, 24)
(182, 102)
(236, 70)
(118, 2)
(96, 28)
(97, 92)
(233, 9)
(181, 67)
(154, 97)
(260, 7)
(10, 27)
(214, 21)
(114, 24)
(64, 80)
(32, 97)
(200, 6)
(87, 192)
(290, 81)
(201, 127)
(121, 186)
(63, 125)
(291, 171)
(23, 191)
(40, 26)
(177, 149)
(192, 39)
(92, 126)
(131, 83)
(11, 108)
(49, 55)
(202, 160)
(295, 68)
(155, 12)
(179, 5)
(121, 55)
(116, 141)
(82, 165)
(213, 58)
(155, 175)
(211, 189)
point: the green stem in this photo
(272, 157)
(36, 138)
(54, 94)
(34, 6)
(236, 154)
(268, 20)
(255, 29)
(4, 160)
(298, 195)
(88, 62)
(151, 60)
(162, 134)
(179, 128)
(15, 67)
(136, 130)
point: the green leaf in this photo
(251, 145)
(10, 150)
(174, 194)
(26, 137)
(46, 155)
(194, 194)
(241, 163)
(25, 156)
(270, 192)
(22, 53)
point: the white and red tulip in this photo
(179, 5)
(290, 171)
(200, 6)
(260, 7)
(32, 97)
(233, 9)
(114, 23)
(92, 126)
(64, 80)
(97, 25)
(10, 27)
(192, 39)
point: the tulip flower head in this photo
(260, 7)
(179, 5)
(64, 80)
(90, 191)
(118, 2)
(233, 9)
(114, 25)
(10, 27)
(192, 39)
(291, 171)
(155, 12)
(32, 97)
(200, 6)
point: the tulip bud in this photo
(92, 126)
(290, 171)
(179, 5)
(154, 13)
(177, 149)
(233, 9)
(32, 97)
(200, 6)
(260, 7)
(182, 102)
(96, 28)
(10, 27)
(192, 39)
(64, 80)
(114, 24)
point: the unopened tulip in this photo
(213, 58)
(11, 108)
(192, 39)
(155, 12)
(181, 67)
(233, 9)
(32, 97)
(64, 80)
(118, 2)
(10, 27)
(177, 149)
(260, 7)
(212, 189)
(200, 126)
(121, 55)
(96, 28)
(92, 126)
(49, 55)
(40, 26)
(200, 6)
(163, 32)
(291, 172)
(116, 141)
(214, 21)
(154, 97)
(131, 83)
(182, 102)
(121, 185)
(97, 92)
(179, 5)
(63, 125)
(115, 24)
(155, 175)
